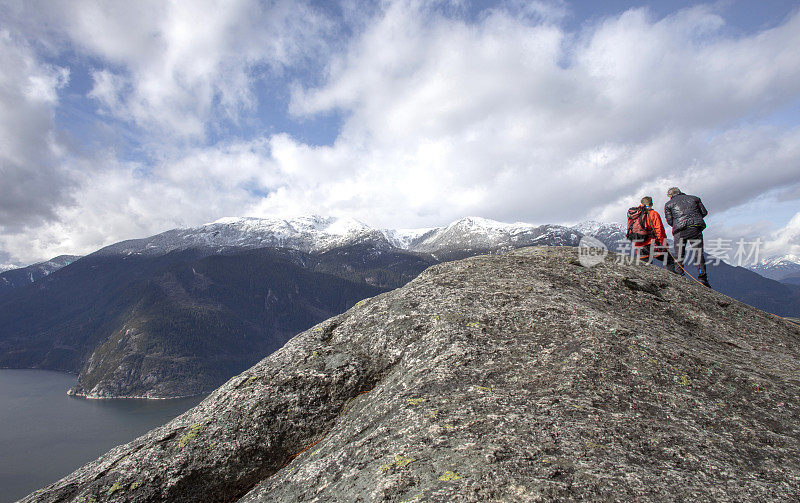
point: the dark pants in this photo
(691, 239)
(653, 251)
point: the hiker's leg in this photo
(658, 253)
(643, 254)
(701, 259)
(669, 261)
(680, 249)
(652, 253)
(661, 253)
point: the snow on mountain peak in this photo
(225, 221)
(778, 267)
(591, 227)
(305, 233)
(404, 238)
(779, 260)
(480, 223)
(588, 227)
(302, 224)
(344, 226)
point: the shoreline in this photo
(84, 396)
(41, 369)
(88, 397)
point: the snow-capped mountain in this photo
(404, 238)
(314, 234)
(308, 234)
(779, 267)
(474, 235)
(610, 234)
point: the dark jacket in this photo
(683, 211)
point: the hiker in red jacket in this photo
(647, 233)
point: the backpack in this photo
(638, 230)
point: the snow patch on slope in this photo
(782, 260)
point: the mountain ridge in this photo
(16, 277)
(314, 234)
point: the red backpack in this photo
(638, 228)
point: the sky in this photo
(120, 120)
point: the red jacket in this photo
(654, 222)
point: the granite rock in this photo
(517, 377)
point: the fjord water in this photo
(45, 434)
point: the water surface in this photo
(45, 434)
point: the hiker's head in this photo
(647, 201)
(674, 191)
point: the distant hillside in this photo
(182, 323)
(753, 289)
(793, 279)
(15, 278)
(519, 377)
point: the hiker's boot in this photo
(704, 280)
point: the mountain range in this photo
(180, 312)
(314, 234)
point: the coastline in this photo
(41, 369)
(72, 393)
(85, 396)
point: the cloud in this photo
(785, 240)
(129, 200)
(521, 120)
(163, 75)
(31, 180)
(177, 68)
(506, 114)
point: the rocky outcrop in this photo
(520, 377)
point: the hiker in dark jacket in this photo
(685, 214)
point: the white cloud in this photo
(177, 67)
(30, 179)
(785, 240)
(129, 200)
(520, 120)
(509, 116)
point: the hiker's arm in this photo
(703, 210)
(658, 228)
(668, 214)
